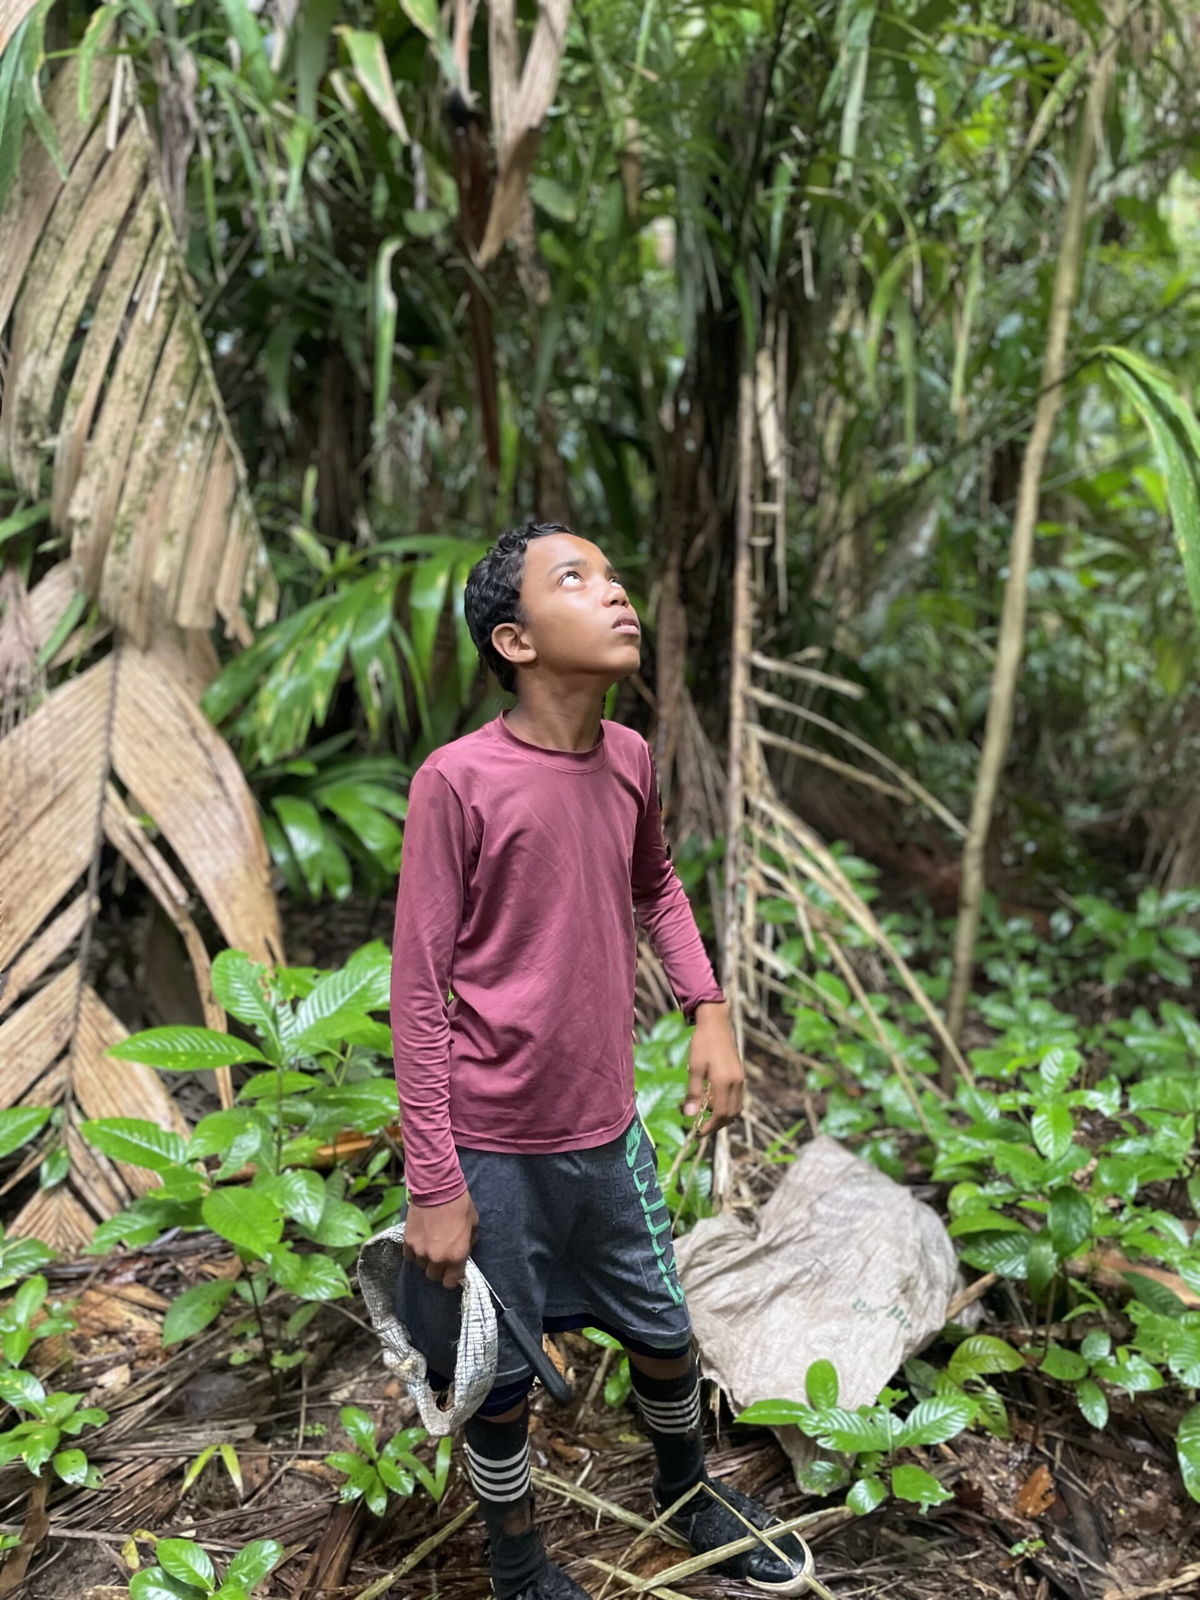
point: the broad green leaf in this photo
(19, 1124)
(341, 1224)
(194, 1309)
(1058, 1067)
(301, 1195)
(20, 1388)
(921, 1487)
(141, 1143)
(360, 1428)
(980, 1354)
(235, 1134)
(184, 1049)
(935, 1420)
(1096, 1345)
(28, 1300)
(1187, 1444)
(71, 1466)
(1070, 1221)
(1158, 1296)
(155, 1583)
(427, 601)
(840, 1429)
(301, 822)
(1068, 1365)
(777, 1414)
(253, 1563)
(375, 831)
(311, 1277)
(38, 1445)
(1052, 1129)
(823, 1477)
(363, 984)
(270, 1085)
(184, 1559)
(821, 1384)
(246, 1217)
(1004, 1253)
(238, 986)
(1089, 1397)
(866, 1494)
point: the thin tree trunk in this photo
(998, 731)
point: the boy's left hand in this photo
(714, 1061)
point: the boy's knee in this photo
(669, 1364)
(506, 1401)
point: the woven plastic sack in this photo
(379, 1263)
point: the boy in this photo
(529, 849)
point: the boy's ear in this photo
(512, 645)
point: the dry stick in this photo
(1001, 701)
(823, 869)
(735, 791)
(712, 1558)
(765, 698)
(380, 1586)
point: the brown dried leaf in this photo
(107, 358)
(1036, 1494)
(126, 718)
(519, 109)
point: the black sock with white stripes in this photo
(498, 1467)
(671, 1407)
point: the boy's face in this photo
(578, 618)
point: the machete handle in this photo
(555, 1384)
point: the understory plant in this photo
(376, 1471)
(319, 1066)
(184, 1570)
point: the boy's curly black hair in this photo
(493, 593)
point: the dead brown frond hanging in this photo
(110, 413)
(521, 97)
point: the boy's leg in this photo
(498, 1467)
(497, 1451)
(668, 1393)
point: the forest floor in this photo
(1056, 1510)
(1101, 1518)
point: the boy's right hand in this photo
(439, 1239)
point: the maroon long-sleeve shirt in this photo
(523, 872)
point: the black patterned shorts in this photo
(575, 1239)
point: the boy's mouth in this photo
(628, 624)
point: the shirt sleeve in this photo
(662, 908)
(429, 911)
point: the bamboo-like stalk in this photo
(735, 794)
(1002, 700)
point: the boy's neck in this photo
(566, 719)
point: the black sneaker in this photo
(553, 1584)
(707, 1522)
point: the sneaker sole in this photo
(795, 1585)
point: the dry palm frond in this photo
(771, 852)
(108, 365)
(125, 721)
(521, 97)
(111, 414)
